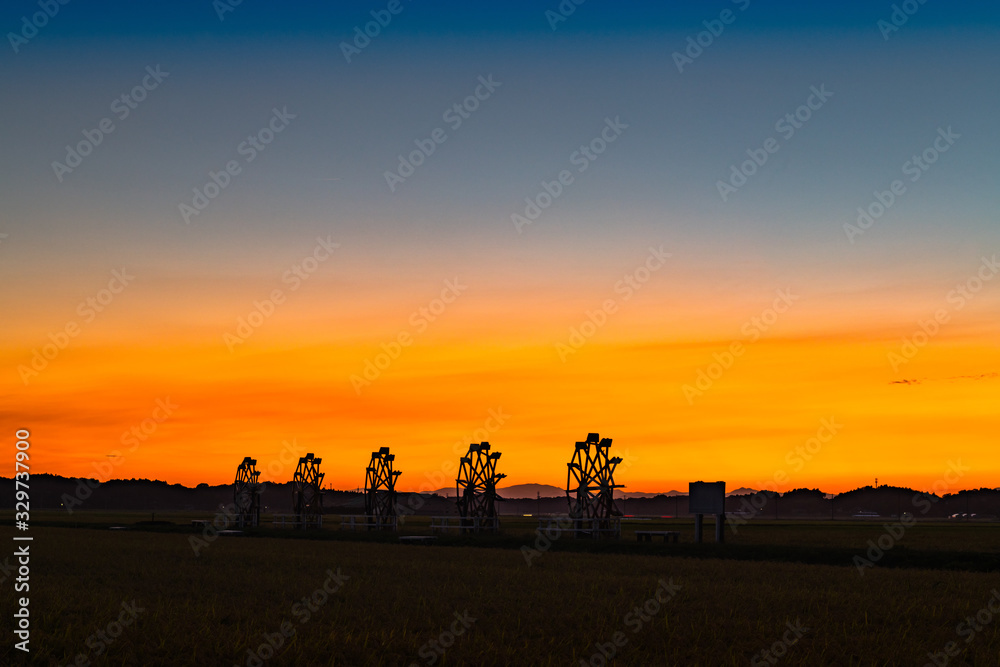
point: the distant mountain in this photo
(742, 491)
(549, 491)
(532, 491)
(646, 494)
(517, 491)
(73, 494)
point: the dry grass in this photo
(209, 610)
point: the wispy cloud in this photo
(981, 376)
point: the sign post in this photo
(707, 498)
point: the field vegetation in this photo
(240, 600)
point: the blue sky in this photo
(679, 132)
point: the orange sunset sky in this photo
(489, 368)
(340, 258)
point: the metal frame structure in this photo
(307, 491)
(246, 494)
(380, 490)
(476, 488)
(590, 487)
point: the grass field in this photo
(394, 604)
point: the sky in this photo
(748, 241)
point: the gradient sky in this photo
(495, 348)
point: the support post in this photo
(697, 527)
